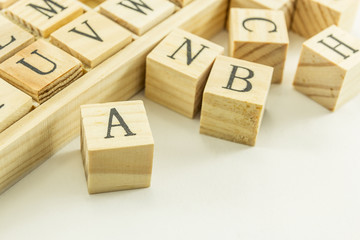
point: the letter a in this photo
(115, 113)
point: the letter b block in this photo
(329, 68)
(234, 100)
(117, 146)
(177, 69)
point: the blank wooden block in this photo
(313, 16)
(181, 3)
(14, 104)
(117, 146)
(329, 68)
(6, 3)
(234, 100)
(177, 69)
(259, 36)
(12, 38)
(92, 38)
(287, 6)
(44, 16)
(137, 15)
(41, 70)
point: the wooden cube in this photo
(234, 100)
(117, 146)
(259, 36)
(44, 16)
(313, 16)
(329, 68)
(12, 38)
(92, 38)
(14, 104)
(181, 3)
(137, 15)
(41, 70)
(287, 6)
(177, 69)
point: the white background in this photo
(301, 181)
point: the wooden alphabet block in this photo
(234, 100)
(137, 15)
(329, 68)
(44, 16)
(177, 69)
(92, 38)
(259, 36)
(14, 104)
(12, 38)
(287, 6)
(181, 3)
(41, 70)
(313, 16)
(6, 3)
(117, 146)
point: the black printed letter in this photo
(28, 65)
(11, 40)
(114, 112)
(2, 105)
(50, 8)
(259, 19)
(94, 36)
(340, 43)
(190, 59)
(233, 76)
(137, 6)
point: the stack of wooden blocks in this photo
(184, 72)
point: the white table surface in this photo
(301, 181)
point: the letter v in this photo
(95, 36)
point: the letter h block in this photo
(234, 100)
(329, 68)
(177, 70)
(116, 145)
(259, 36)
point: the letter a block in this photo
(234, 100)
(259, 36)
(177, 69)
(329, 68)
(313, 16)
(117, 146)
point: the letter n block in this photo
(116, 145)
(329, 68)
(177, 70)
(234, 100)
(313, 16)
(259, 36)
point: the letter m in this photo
(48, 11)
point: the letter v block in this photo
(137, 15)
(41, 70)
(177, 70)
(234, 100)
(259, 36)
(116, 145)
(329, 68)
(92, 38)
(44, 16)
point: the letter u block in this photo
(259, 36)
(117, 146)
(177, 70)
(234, 100)
(329, 68)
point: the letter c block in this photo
(234, 100)
(117, 146)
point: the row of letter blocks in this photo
(308, 17)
